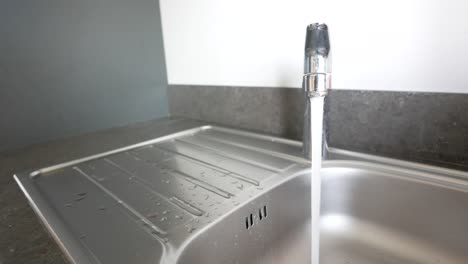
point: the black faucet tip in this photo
(317, 40)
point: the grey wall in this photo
(423, 127)
(68, 67)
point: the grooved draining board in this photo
(142, 203)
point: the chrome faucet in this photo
(317, 77)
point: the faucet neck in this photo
(316, 82)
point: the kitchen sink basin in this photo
(215, 195)
(371, 213)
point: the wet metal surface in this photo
(202, 194)
(157, 194)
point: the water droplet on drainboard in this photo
(165, 212)
(168, 181)
(234, 182)
(158, 203)
(207, 214)
(207, 196)
(165, 240)
(152, 215)
(240, 186)
(82, 236)
(190, 228)
(163, 219)
(68, 205)
(102, 208)
(79, 199)
(178, 217)
(81, 194)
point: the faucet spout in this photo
(316, 79)
(317, 61)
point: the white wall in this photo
(412, 45)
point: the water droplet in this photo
(81, 194)
(158, 203)
(178, 217)
(79, 199)
(234, 182)
(82, 236)
(240, 186)
(207, 196)
(197, 220)
(165, 212)
(68, 205)
(102, 208)
(190, 228)
(165, 240)
(168, 181)
(163, 219)
(152, 215)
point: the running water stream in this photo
(316, 119)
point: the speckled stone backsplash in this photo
(430, 128)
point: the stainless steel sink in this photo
(216, 195)
(371, 213)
